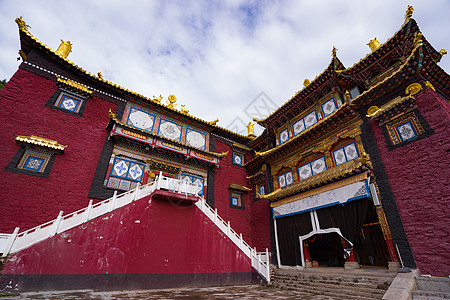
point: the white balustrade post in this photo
(215, 216)
(10, 243)
(268, 266)
(87, 213)
(228, 228)
(113, 201)
(56, 224)
(240, 241)
(136, 192)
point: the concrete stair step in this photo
(353, 287)
(429, 295)
(336, 281)
(329, 291)
(335, 296)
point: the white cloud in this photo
(216, 57)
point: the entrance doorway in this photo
(326, 250)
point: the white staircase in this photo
(12, 243)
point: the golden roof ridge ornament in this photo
(333, 52)
(418, 39)
(306, 82)
(251, 130)
(442, 52)
(171, 101)
(374, 44)
(22, 25)
(409, 13)
(213, 122)
(64, 49)
(184, 110)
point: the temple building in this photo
(351, 172)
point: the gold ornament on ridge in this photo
(64, 49)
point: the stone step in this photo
(363, 284)
(429, 295)
(330, 291)
(335, 294)
(354, 287)
(333, 279)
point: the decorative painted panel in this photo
(345, 154)
(312, 168)
(170, 130)
(34, 160)
(69, 102)
(238, 159)
(236, 200)
(329, 107)
(305, 122)
(198, 181)
(141, 119)
(284, 136)
(195, 139)
(285, 179)
(404, 128)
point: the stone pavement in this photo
(215, 293)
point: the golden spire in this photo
(64, 49)
(374, 44)
(251, 130)
(409, 13)
(333, 52)
(443, 52)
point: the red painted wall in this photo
(253, 220)
(29, 200)
(418, 174)
(144, 237)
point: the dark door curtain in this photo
(348, 217)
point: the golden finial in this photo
(251, 130)
(347, 96)
(213, 122)
(157, 99)
(184, 110)
(333, 52)
(64, 49)
(171, 101)
(409, 13)
(99, 75)
(306, 82)
(374, 44)
(443, 52)
(418, 38)
(22, 25)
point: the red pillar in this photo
(394, 263)
(308, 263)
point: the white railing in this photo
(11, 243)
(260, 260)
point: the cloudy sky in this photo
(216, 57)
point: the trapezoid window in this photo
(312, 168)
(345, 153)
(285, 179)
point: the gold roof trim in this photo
(322, 189)
(74, 84)
(235, 186)
(241, 147)
(114, 118)
(396, 101)
(330, 174)
(255, 175)
(24, 28)
(40, 141)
